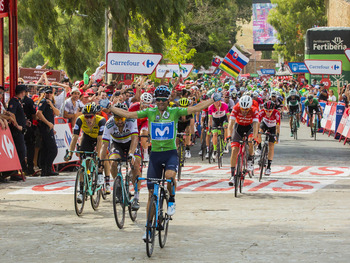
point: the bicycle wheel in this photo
(210, 148)
(203, 144)
(95, 198)
(118, 202)
(262, 161)
(151, 227)
(180, 154)
(219, 151)
(238, 174)
(132, 213)
(163, 218)
(295, 129)
(315, 126)
(79, 207)
(103, 191)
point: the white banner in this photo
(327, 67)
(132, 63)
(346, 127)
(326, 112)
(63, 138)
(347, 53)
(161, 68)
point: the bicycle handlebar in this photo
(154, 179)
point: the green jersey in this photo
(163, 129)
(313, 104)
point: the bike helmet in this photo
(293, 93)
(269, 105)
(205, 97)
(147, 98)
(255, 94)
(184, 102)
(226, 94)
(162, 92)
(90, 108)
(245, 102)
(310, 97)
(234, 93)
(247, 93)
(274, 93)
(121, 106)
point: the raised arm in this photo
(200, 106)
(123, 113)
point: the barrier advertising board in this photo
(8, 155)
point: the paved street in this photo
(299, 214)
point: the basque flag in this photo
(234, 62)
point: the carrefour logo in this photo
(128, 63)
(148, 63)
(335, 67)
(67, 138)
(8, 147)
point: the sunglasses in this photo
(268, 110)
(244, 109)
(48, 92)
(20, 82)
(119, 118)
(161, 99)
(89, 116)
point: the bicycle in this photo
(203, 141)
(313, 117)
(264, 153)
(157, 218)
(295, 125)
(122, 196)
(181, 153)
(241, 166)
(211, 147)
(220, 145)
(89, 184)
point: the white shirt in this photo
(332, 98)
(70, 108)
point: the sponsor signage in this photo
(298, 67)
(63, 138)
(132, 63)
(327, 41)
(347, 53)
(4, 8)
(268, 71)
(161, 68)
(326, 82)
(33, 74)
(326, 67)
(8, 155)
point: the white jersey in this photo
(112, 133)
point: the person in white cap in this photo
(73, 106)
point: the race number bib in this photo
(162, 130)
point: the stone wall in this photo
(338, 13)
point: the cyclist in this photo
(234, 96)
(204, 123)
(311, 105)
(120, 137)
(270, 121)
(294, 106)
(92, 126)
(142, 124)
(255, 96)
(244, 119)
(230, 103)
(218, 116)
(277, 101)
(163, 121)
(184, 126)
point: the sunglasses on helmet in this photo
(161, 99)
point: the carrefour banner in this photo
(8, 155)
(63, 138)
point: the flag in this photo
(216, 61)
(174, 75)
(182, 68)
(234, 62)
(205, 76)
(171, 85)
(86, 77)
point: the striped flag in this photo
(234, 62)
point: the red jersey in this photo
(273, 120)
(136, 107)
(252, 115)
(255, 104)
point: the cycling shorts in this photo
(238, 133)
(181, 126)
(121, 150)
(87, 143)
(313, 108)
(271, 130)
(219, 122)
(156, 159)
(293, 109)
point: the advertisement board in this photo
(4, 8)
(264, 35)
(324, 67)
(268, 71)
(185, 72)
(33, 74)
(347, 53)
(298, 67)
(8, 155)
(132, 63)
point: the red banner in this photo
(8, 155)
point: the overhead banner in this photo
(8, 155)
(132, 63)
(173, 68)
(298, 67)
(63, 138)
(324, 67)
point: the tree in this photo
(70, 33)
(212, 26)
(291, 19)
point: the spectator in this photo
(29, 137)
(15, 107)
(323, 95)
(46, 115)
(73, 106)
(331, 96)
(4, 114)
